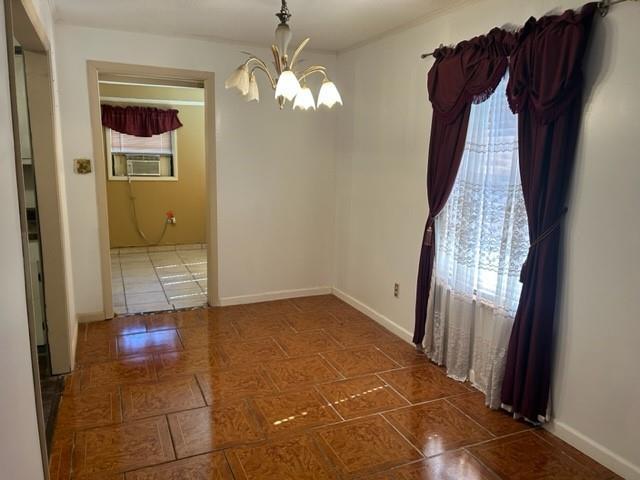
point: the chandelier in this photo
(289, 82)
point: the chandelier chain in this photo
(284, 15)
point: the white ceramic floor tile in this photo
(150, 307)
(193, 246)
(183, 293)
(172, 270)
(161, 248)
(132, 250)
(145, 298)
(195, 302)
(174, 278)
(150, 287)
(118, 300)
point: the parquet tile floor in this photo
(297, 389)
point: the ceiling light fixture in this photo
(288, 79)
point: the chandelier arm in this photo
(277, 59)
(314, 69)
(263, 68)
(296, 54)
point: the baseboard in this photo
(598, 452)
(90, 317)
(269, 296)
(386, 322)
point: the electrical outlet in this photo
(396, 290)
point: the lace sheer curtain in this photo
(482, 241)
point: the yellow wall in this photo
(185, 197)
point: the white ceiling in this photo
(333, 25)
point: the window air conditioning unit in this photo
(143, 165)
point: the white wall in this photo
(381, 208)
(275, 169)
(19, 443)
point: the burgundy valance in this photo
(140, 121)
(468, 73)
(545, 72)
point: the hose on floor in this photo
(134, 212)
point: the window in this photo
(141, 158)
(482, 233)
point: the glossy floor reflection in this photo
(294, 389)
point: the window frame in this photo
(164, 178)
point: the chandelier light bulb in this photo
(239, 80)
(304, 100)
(253, 93)
(329, 94)
(288, 85)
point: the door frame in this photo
(23, 23)
(95, 69)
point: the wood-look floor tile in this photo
(278, 307)
(99, 348)
(423, 383)
(296, 458)
(306, 343)
(498, 422)
(123, 447)
(191, 318)
(300, 371)
(294, 411)
(150, 342)
(435, 427)
(261, 326)
(361, 396)
(235, 383)
(157, 398)
(346, 315)
(319, 302)
(229, 312)
(214, 332)
(403, 353)
(448, 466)
(527, 456)
(598, 470)
(119, 372)
(189, 362)
(160, 321)
(360, 361)
(360, 334)
(211, 466)
(60, 458)
(116, 326)
(213, 428)
(260, 351)
(93, 408)
(366, 445)
(312, 320)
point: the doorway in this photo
(156, 190)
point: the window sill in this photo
(144, 179)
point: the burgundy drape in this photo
(468, 73)
(545, 86)
(140, 121)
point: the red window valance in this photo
(140, 121)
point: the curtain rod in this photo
(603, 6)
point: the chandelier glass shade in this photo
(288, 76)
